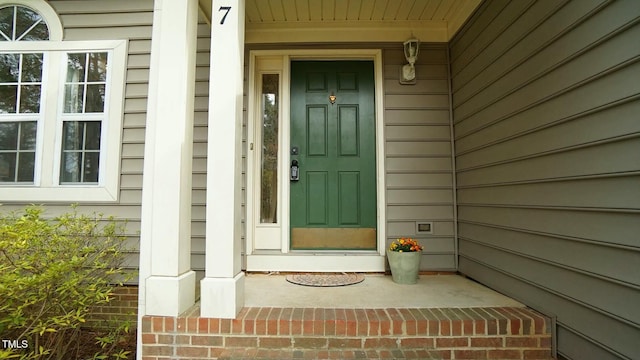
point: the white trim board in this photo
(317, 261)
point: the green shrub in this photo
(52, 272)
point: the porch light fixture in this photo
(408, 71)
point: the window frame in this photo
(46, 185)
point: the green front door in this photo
(333, 202)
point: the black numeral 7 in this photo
(224, 17)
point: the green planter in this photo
(405, 266)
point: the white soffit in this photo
(318, 21)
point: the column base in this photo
(222, 297)
(170, 295)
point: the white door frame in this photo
(267, 246)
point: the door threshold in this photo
(319, 252)
(314, 261)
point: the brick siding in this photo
(316, 333)
(122, 306)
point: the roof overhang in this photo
(336, 21)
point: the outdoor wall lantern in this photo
(408, 71)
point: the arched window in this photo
(19, 23)
(51, 146)
(28, 20)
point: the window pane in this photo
(75, 67)
(91, 165)
(97, 67)
(8, 98)
(95, 98)
(30, 99)
(72, 135)
(85, 90)
(92, 141)
(81, 152)
(10, 73)
(25, 19)
(8, 136)
(73, 95)
(70, 168)
(31, 67)
(27, 161)
(6, 23)
(28, 136)
(7, 167)
(28, 24)
(9, 68)
(13, 157)
(269, 180)
(39, 32)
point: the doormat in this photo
(325, 280)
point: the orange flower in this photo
(405, 245)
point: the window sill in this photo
(79, 194)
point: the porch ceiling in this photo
(321, 21)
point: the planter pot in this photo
(405, 266)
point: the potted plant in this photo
(404, 255)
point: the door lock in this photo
(295, 170)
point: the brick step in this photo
(270, 354)
(417, 354)
(316, 333)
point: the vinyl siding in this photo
(199, 178)
(419, 171)
(545, 105)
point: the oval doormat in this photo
(325, 280)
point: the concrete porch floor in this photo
(442, 317)
(377, 291)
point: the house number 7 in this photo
(226, 9)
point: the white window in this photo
(60, 110)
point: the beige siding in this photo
(546, 100)
(199, 179)
(418, 154)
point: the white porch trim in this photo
(222, 289)
(167, 283)
(317, 261)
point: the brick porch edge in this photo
(318, 333)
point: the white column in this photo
(222, 288)
(166, 279)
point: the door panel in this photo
(317, 200)
(333, 204)
(317, 130)
(349, 198)
(348, 130)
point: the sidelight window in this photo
(269, 165)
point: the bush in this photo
(52, 272)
